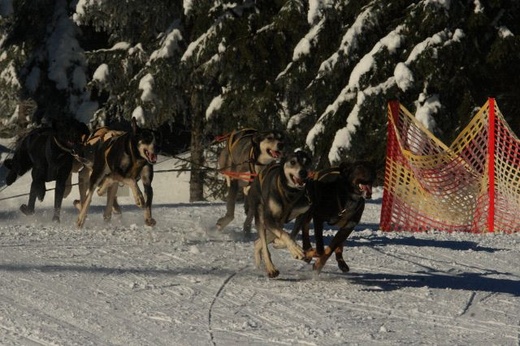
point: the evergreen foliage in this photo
(323, 70)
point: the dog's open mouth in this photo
(366, 190)
(150, 157)
(274, 153)
(298, 182)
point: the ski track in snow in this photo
(122, 283)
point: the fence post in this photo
(491, 165)
(391, 141)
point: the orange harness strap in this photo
(245, 176)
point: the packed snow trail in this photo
(122, 283)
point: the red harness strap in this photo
(245, 176)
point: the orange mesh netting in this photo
(472, 186)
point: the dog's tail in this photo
(18, 165)
(8, 163)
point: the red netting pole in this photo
(491, 166)
(391, 144)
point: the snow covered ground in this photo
(176, 284)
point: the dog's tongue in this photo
(152, 157)
(276, 154)
(366, 190)
(298, 182)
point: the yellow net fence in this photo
(471, 186)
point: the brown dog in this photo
(122, 159)
(84, 165)
(277, 196)
(338, 197)
(246, 153)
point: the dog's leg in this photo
(318, 235)
(138, 195)
(249, 208)
(107, 182)
(261, 244)
(230, 206)
(260, 229)
(146, 178)
(348, 222)
(342, 265)
(271, 270)
(116, 208)
(84, 208)
(284, 237)
(302, 223)
(258, 252)
(338, 240)
(94, 181)
(130, 182)
(83, 184)
(37, 191)
(61, 186)
(68, 186)
(111, 196)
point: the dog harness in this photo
(232, 141)
(279, 186)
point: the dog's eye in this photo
(293, 162)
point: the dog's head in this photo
(70, 133)
(146, 142)
(360, 175)
(296, 169)
(270, 145)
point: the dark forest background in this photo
(321, 70)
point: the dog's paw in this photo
(279, 243)
(101, 191)
(318, 266)
(77, 204)
(80, 222)
(311, 253)
(273, 273)
(139, 201)
(343, 266)
(56, 219)
(116, 208)
(26, 210)
(296, 251)
(150, 222)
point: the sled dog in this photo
(338, 197)
(49, 152)
(246, 153)
(277, 196)
(123, 158)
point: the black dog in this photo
(246, 153)
(338, 198)
(277, 196)
(49, 152)
(122, 158)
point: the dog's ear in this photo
(344, 169)
(257, 138)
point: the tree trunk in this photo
(197, 146)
